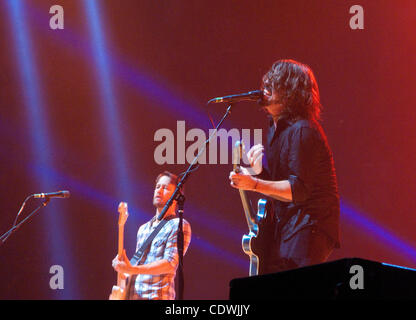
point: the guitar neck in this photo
(120, 240)
(120, 249)
(247, 209)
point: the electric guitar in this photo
(119, 292)
(256, 242)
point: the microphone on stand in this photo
(248, 96)
(59, 194)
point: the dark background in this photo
(163, 60)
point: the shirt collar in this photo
(281, 124)
(166, 217)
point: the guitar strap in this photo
(138, 255)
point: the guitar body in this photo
(257, 244)
(120, 291)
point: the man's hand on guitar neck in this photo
(280, 190)
(122, 264)
(241, 177)
(243, 180)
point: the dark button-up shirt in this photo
(298, 151)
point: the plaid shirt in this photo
(164, 246)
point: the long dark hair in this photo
(296, 88)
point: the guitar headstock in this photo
(123, 211)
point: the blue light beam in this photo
(55, 237)
(386, 236)
(108, 101)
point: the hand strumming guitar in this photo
(122, 264)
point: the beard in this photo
(158, 203)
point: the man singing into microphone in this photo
(300, 177)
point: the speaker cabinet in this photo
(349, 278)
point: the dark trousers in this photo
(306, 247)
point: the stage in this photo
(97, 98)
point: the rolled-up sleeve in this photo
(303, 163)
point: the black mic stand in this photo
(177, 193)
(181, 202)
(15, 226)
(179, 197)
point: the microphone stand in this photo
(180, 198)
(176, 194)
(181, 202)
(15, 226)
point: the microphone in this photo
(59, 194)
(248, 96)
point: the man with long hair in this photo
(300, 176)
(154, 274)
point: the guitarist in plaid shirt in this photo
(154, 274)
